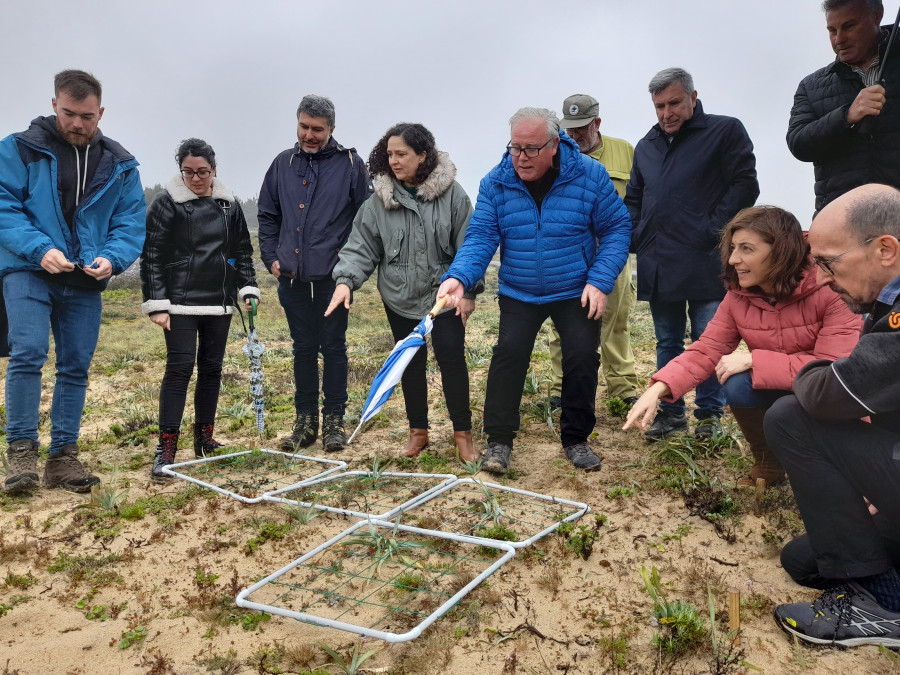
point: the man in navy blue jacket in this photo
(692, 173)
(563, 234)
(307, 203)
(71, 215)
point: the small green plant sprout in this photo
(617, 407)
(580, 539)
(132, 637)
(378, 469)
(251, 621)
(472, 467)
(302, 514)
(727, 656)
(23, 581)
(380, 546)
(681, 532)
(204, 578)
(107, 495)
(617, 491)
(490, 502)
(682, 626)
(353, 665)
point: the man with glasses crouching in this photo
(844, 469)
(563, 234)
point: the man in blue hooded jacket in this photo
(563, 234)
(71, 215)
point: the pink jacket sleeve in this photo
(699, 360)
(836, 339)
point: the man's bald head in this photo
(854, 241)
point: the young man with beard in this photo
(307, 203)
(71, 215)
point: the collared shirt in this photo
(869, 76)
(890, 292)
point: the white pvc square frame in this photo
(327, 466)
(442, 480)
(508, 552)
(579, 508)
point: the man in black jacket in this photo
(836, 461)
(843, 120)
(307, 203)
(691, 174)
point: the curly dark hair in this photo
(195, 147)
(789, 257)
(415, 136)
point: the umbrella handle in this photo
(252, 312)
(438, 306)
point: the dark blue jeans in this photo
(39, 306)
(448, 339)
(193, 338)
(579, 339)
(739, 392)
(670, 325)
(313, 333)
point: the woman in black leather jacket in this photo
(197, 262)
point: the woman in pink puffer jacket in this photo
(776, 307)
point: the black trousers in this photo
(193, 338)
(448, 339)
(579, 340)
(832, 468)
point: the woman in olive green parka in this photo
(410, 229)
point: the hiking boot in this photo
(583, 457)
(707, 428)
(304, 434)
(334, 438)
(665, 425)
(846, 616)
(418, 441)
(496, 459)
(63, 470)
(165, 454)
(22, 474)
(204, 443)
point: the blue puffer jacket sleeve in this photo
(481, 240)
(612, 228)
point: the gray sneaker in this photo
(583, 457)
(708, 428)
(66, 472)
(22, 474)
(496, 459)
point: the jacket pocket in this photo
(177, 277)
(394, 253)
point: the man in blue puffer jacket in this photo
(564, 235)
(71, 215)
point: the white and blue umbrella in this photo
(387, 378)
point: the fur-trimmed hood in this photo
(181, 193)
(438, 182)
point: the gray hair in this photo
(871, 5)
(875, 215)
(547, 116)
(317, 106)
(666, 78)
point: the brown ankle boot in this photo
(418, 439)
(766, 465)
(465, 446)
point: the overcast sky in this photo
(232, 72)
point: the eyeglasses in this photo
(515, 150)
(202, 173)
(825, 265)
